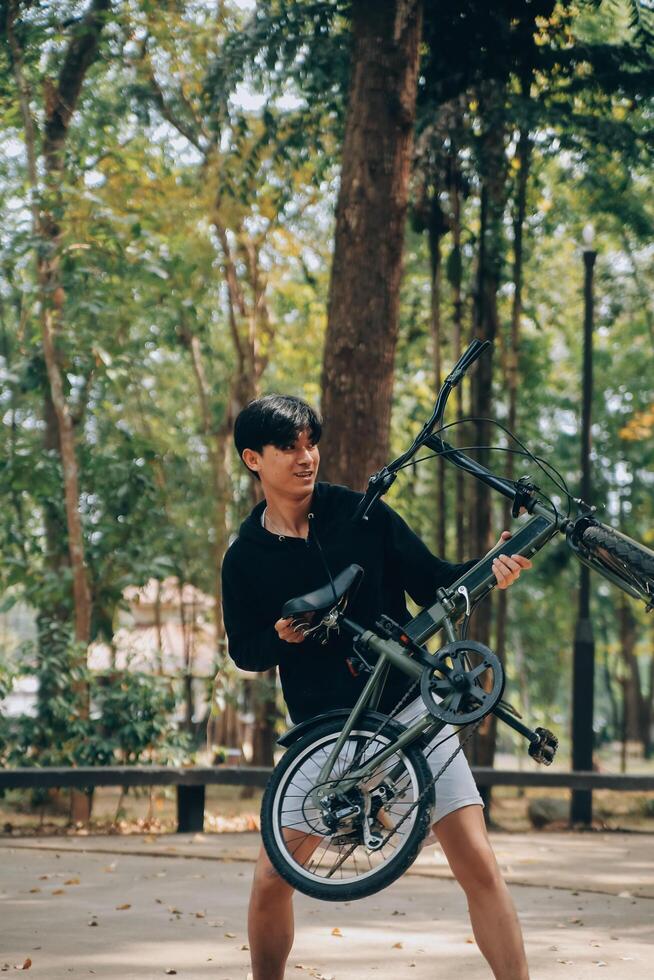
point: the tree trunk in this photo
(61, 100)
(263, 736)
(649, 705)
(363, 309)
(60, 104)
(492, 165)
(456, 280)
(248, 321)
(511, 359)
(634, 703)
(437, 228)
(215, 439)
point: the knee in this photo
(478, 872)
(268, 887)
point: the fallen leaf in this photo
(33, 890)
(470, 939)
(110, 867)
(125, 905)
(230, 935)
(150, 839)
(72, 881)
(599, 962)
(337, 932)
(398, 913)
(93, 922)
(59, 891)
(43, 877)
(244, 946)
(200, 915)
(170, 973)
(397, 946)
(25, 965)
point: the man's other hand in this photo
(289, 633)
(507, 568)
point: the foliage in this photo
(195, 123)
(129, 722)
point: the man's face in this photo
(290, 470)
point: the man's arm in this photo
(420, 571)
(423, 573)
(252, 646)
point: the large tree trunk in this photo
(363, 311)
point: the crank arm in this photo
(542, 743)
(513, 722)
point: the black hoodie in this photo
(261, 572)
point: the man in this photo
(284, 548)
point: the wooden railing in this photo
(191, 782)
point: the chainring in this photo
(468, 680)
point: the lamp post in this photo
(583, 671)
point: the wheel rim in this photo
(337, 861)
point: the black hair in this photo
(274, 420)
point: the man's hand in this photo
(286, 631)
(507, 568)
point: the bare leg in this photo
(270, 915)
(270, 921)
(462, 835)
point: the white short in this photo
(455, 788)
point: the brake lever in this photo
(378, 484)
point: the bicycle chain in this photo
(396, 710)
(473, 728)
(398, 707)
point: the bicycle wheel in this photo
(632, 562)
(319, 848)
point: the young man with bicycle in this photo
(293, 541)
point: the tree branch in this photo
(61, 99)
(24, 93)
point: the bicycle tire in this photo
(626, 557)
(311, 749)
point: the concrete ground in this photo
(147, 907)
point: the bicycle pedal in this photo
(544, 750)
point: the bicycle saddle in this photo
(324, 597)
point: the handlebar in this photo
(380, 482)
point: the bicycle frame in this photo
(449, 609)
(452, 603)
